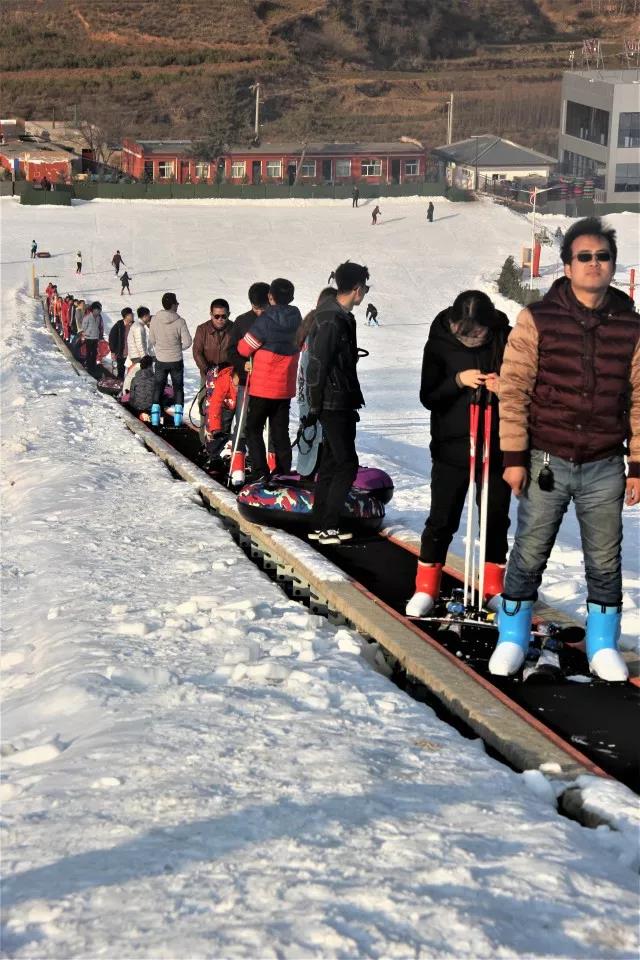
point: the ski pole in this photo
(474, 414)
(484, 496)
(240, 420)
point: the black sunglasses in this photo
(219, 316)
(585, 256)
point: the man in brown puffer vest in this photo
(569, 402)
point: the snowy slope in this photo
(193, 765)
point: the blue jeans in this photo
(597, 489)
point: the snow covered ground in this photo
(194, 766)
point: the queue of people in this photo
(563, 386)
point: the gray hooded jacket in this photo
(169, 335)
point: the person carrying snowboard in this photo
(371, 316)
(463, 353)
(569, 403)
(376, 212)
(124, 280)
(334, 397)
(309, 441)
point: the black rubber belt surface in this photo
(599, 719)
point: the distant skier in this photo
(34, 249)
(430, 211)
(124, 280)
(355, 196)
(371, 316)
(79, 262)
(116, 260)
(377, 212)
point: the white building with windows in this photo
(486, 159)
(600, 132)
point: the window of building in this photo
(627, 177)
(343, 168)
(579, 166)
(411, 168)
(202, 171)
(148, 169)
(238, 169)
(308, 168)
(166, 169)
(629, 130)
(274, 169)
(371, 168)
(587, 123)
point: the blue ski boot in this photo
(155, 415)
(603, 633)
(514, 626)
(177, 415)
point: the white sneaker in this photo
(314, 534)
(226, 451)
(420, 605)
(237, 478)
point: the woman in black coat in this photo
(463, 353)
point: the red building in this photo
(35, 161)
(319, 163)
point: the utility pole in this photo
(450, 119)
(256, 87)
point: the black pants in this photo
(449, 486)
(120, 368)
(92, 356)
(175, 370)
(338, 467)
(276, 412)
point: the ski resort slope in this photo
(194, 766)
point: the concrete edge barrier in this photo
(502, 724)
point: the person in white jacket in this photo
(169, 335)
(137, 345)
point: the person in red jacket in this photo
(271, 342)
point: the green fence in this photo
(266, 191)
(64, 193)
(58, 198)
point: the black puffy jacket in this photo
(332, 378)
(445, 356)
(118, 339)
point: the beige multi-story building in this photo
(600, 132)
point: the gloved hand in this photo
(310, 419)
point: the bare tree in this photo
(102, 127)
